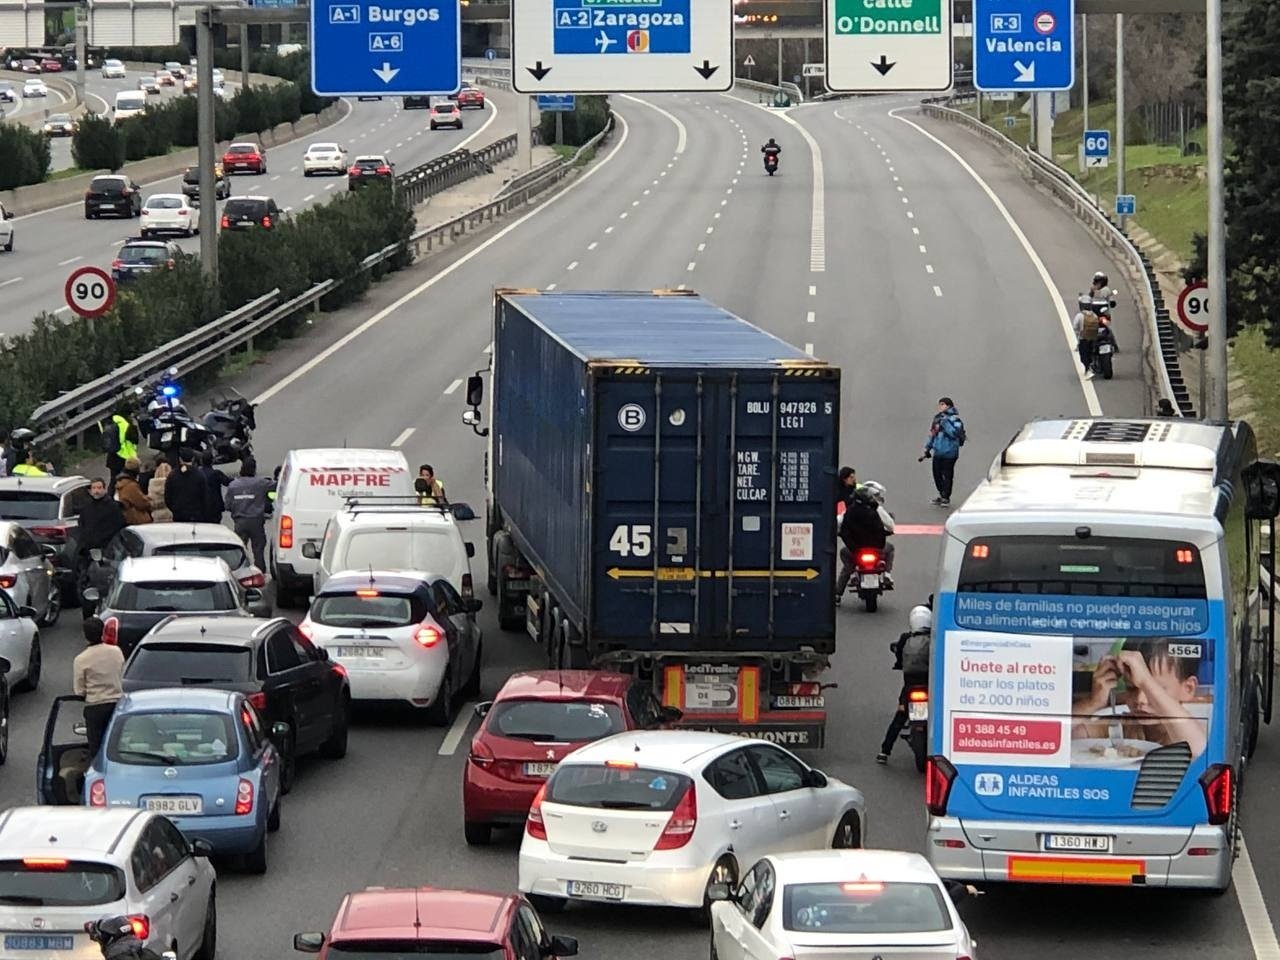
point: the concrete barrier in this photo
(57, 193)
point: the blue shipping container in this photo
(668, 469)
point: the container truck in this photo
(661, 500)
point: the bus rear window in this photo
(1098, 566)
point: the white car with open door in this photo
(658, 817)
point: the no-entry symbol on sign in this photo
(90, 291)
(1045, 22)
(1193, 307)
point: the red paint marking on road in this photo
(918, 529)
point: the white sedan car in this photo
(837, 904)
(169, 213)
(20, 645)
(113, 70)
(35, 88)
(658, 817)
(324, 158)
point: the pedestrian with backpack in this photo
(1086, 325)
(946, 437)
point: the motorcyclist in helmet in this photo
(118, 939)
(866, 524)
(1098, 286)
(771, 149)
(911, 656)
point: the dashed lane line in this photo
(456, 732)
(405, 434)
(452, 387)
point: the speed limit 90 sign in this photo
(90, 291)
(1193, 307)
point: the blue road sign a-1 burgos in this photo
(1023, 44)
(385, 47)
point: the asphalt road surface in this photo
(913, 280)
(50, 244)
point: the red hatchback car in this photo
(535, 721)
(245, 156)
(456, 923)
(471, 97)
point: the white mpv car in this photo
(657, 817)
(61, 867)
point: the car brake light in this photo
(365, 593)
(258, 700)
(98, 794)
(117, 264)
(428, 635)
(141, 925)
(868, 559)
(939, 774)
(181, 213)
(481, 754)
(7, 580)
(468, 591)
(44, 863)
(533, 824)
(50, 533)
(354, 171)
(111, 632)
(384, 170)
(918, 695)
(862, 887)
(169, 263)
(266, 220)
(679, 829)
(244, 798)
(286, 521)
(254, 580)
(1218, 792)
(226, 222)
(146, 212)
(621, 764)
(306, 630)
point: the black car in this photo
(245, 213)
(417, 102)
(286, 677)
(191, 184)
(370, 169)
(7, 93)
(47, 508)
(116, 195)
(139, 256)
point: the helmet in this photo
(1100, 279)
(874, 490)
(109, 930)
(920, 619)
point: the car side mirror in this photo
(463, 511)
(80, 729)
(311, 551)
(91, 594)
(27, 613)
(475, 605)
(816, 779)
(168, 955)
(482, 709)
(308, 942)
(719, 891)
(5, 666)
(8, 214)
(95, 555)
(670, 714)
(201, 848)
(471, 550)
(471, 417)
(563, 946)
(279, 730)
(475, 390)
(48, 550)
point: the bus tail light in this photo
(939, 775)
(1219, 788)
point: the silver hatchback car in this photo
(27, 573)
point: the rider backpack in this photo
(110, 437)
(1089, 326)
(915, 653)
(958, 425)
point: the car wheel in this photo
(545, 904)
(848, 835)
(273, 818)
(8, 247)
(88, 215)
(288, 763)
(725, 871)
(440, 713)
(35, 663)
(472, 687)
(209, 939)
(477, 834)
(54, 607)
(4, 725)
(255, 861)
(335, 748)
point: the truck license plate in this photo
(1077, 841)
(917, 712)
(799, 702)
(596, 891)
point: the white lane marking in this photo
(405, 434)
(452, 387)
(701, 247)
(682, 135)
(11, 280)
(692, 264)
(489, 348)
(901, 188)
(551, 286)
(328, 186)
(338, 346)
(635, 203)
(895, 179)
(730, 190)
(905, 199)
(62, 310)
(293, 169)
(916, 231)
(922, 249)
(813, 291)
(647, 192)
(454, 737)
(400, 144)
(928, 268)
(1257, 920)
(572, 266)
(69, 260)
(308, 198)
(275, 178)
(717, 215)
(724, 203)
(910, 215)
(608, 229)
(812, 317)
(937, 291)
(593, 244)
(710, 230)
(808, 348)
(1086, 386)
(683, 286)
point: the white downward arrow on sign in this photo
(1026, 74)
(387, 73)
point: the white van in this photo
(130, 103)
(312, 486)
(367, 536)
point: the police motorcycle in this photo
(231, 421)
(164, 422)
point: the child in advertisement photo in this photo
(1146, 685)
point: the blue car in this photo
(200, 757)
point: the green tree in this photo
(25, 156)
(97, 145)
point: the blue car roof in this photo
(177, 698)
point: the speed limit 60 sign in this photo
(1193, 308)
(90, 291)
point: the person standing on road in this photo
(184, 492)
(126, 445)
(430, 490)
(846, 485)
(214, 482)
(96, 676)
(135, 504)
(248, 503)
(155, 493)
(946, 437)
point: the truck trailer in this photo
(661, 500)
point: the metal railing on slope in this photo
(1160, 328)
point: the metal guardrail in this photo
(1160, 328)
(441, 173)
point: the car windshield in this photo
(864, 907)
(242, 148)
(144, 254)
(146, 79)
(164, 203)
(392, 949)
(190, 663)
(445, 107)
(191, 176)
(350, 609)
(172, 739)
(130, 103)
(616, 787)
(554, 721)
(252, 208)
(231, 554)
(25, 505)
(421, 549)
(323, 148)
(60, 118)
(373, 162)
(172, 596)
(59, 883)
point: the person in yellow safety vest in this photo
(29, 467)
(126, 448)
(429, 489)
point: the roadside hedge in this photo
(590, 116)
(327, 240)
(24, 156)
